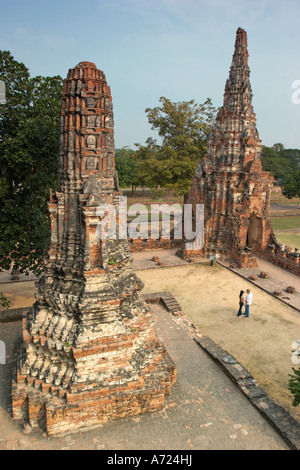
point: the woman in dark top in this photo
(241, 303)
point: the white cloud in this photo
(20, 33)
(52, 41)
(56, 41)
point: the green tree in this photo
(280, 162)
(291, 185)
(184, 128)
(4, 302)
(270, 162)
(290, 160)
(294, 386)
(278, 147)
(126, 168)
(29, 141)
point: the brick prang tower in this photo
(89, 352)
(229, 181)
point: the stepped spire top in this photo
(235, 140)
(240, 48)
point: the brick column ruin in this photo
(89, 352)
(230, 181)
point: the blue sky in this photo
(180, 49)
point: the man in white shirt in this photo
(248, 302)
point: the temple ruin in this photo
(229, 181)
(89, 352)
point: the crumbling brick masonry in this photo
(89, 352)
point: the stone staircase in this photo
(166, 299)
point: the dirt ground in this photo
(262, 342)
(19, 294)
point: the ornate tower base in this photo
(89, 352)
(138, 382)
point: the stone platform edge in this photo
(13, 314)
(278, 417)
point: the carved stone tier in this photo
(89, 352)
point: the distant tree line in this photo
(170, 166)
(284, 165)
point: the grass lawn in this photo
(289, 239)
(276, 195)
(284, 223)
(278, 198)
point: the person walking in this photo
(241, 303)
(248, 302)
(212, 259)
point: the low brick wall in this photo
(290, 265)
(139, 244)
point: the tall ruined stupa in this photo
(89, 352)
(229, 181)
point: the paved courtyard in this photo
(205, 410)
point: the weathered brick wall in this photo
(291, 265)
(282, 257)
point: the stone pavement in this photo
(204, 411)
